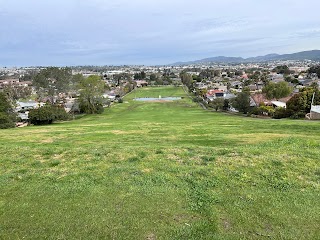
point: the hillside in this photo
(313, 55)
(161, 170)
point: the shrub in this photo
(263, 110)
(298, 115)
(47, 115)
(6, 121)
(255, 111)
(267, 110)
(281, 113)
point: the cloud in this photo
(144, 31)
(307, 33)
(218, 25)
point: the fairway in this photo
(161, 170)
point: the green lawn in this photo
(165, 170)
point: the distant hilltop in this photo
(313, 55)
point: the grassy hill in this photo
(165, 170)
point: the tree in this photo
(153, 77)
(159, 81)
(186, 79)
(292, 80)
(217, 104)
(16, 92)
(309, 94)
(217, 73)
(226, 104)
(242, 102)
(28, 76)
(75, 80)
(300, 103)
(297, 105)
(7, 115)
(277, 90)
(122, 77)
(51, 81)
(264, 78)
(283, 69)
(255, 76)
(139, 76)
(315, 69)
(91, 90)
(143, 75)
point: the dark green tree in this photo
(297, 105)
(139, 76)
(242, 102)
(7, 115)
(300, 103)
(153, 77)
(283, 69)
(315, 69)
(143, 75)
(226, 104)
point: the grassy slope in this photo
(161, 170)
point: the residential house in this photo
(261, 98)
(141, 83)
(23, 108)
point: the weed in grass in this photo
(133, 159)
(36, 164)
(22, 171)
(142, 155)
(223, 152)
(159, 151)
(54, 163)
(208, 158)
(277, 163)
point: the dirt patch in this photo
(257, 138)
(146, 170)
(226, 224)
(151, 236)
(58, 156)
(120, 132)
(48, 140)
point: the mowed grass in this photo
(164, 170)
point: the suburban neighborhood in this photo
(209, 83)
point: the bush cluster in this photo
(47, 114)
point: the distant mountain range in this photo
(313, 55)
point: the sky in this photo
(152, 32)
